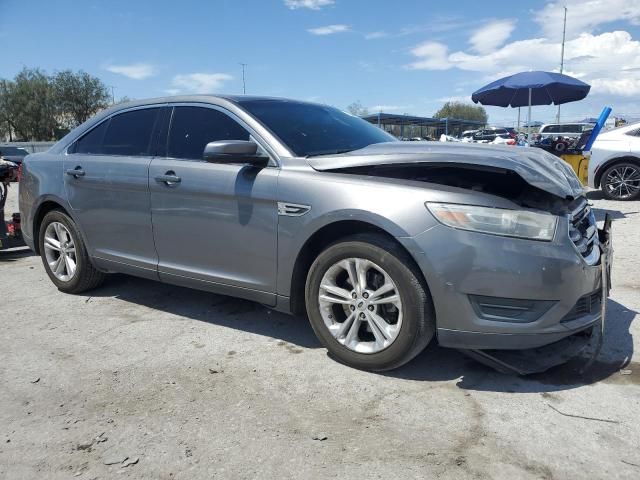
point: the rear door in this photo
(107, 185)
(214, 224)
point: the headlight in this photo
(496, 221)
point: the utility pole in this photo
(113, 97)
(564, 33)
(244, 85)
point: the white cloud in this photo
(310, 4)
(136, 71)
(329, 29)
(596, 59)
(455, 98)
(199, 82)
(491, 36)
(376, 35)
(583, 16)
(430, 56)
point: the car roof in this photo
(566, 123)
(622, 129)
(205, 98)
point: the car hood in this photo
(536, 167)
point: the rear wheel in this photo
(64, 255)
(621, 181)
(367, 305)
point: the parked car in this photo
(570, 130)
(489, 134)
(614, 165)
(13, 154)
(468, 134)
(386, 245)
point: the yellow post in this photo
(580, 165)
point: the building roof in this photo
(395, 119)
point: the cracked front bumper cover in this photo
(588, 341)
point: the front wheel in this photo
(367, 304)
(621, 181)
(64, 254)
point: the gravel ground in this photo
(190, 385)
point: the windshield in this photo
(311, 130)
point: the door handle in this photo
(76, 172)
(170, 178)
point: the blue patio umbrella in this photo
(531, 88)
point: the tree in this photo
(124, 99)
(357, 109)
(35, 106)
(463, 111)
(78, 96)
(32, 106)
(6, 112)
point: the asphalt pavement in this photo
(142, 380)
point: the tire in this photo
(58, 225)
(627, 190)
(414, 315)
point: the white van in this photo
(564, 129)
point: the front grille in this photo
(586, 305)
(583, 231)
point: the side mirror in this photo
(234, 151)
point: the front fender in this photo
(396, 209)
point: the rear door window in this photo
(91, 142)
(193, 127)
(128, 133)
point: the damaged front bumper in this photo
(481, 266)
(589, 341)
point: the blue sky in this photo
(404, 56)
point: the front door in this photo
(107, 185)
(215, 225)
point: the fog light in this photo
(509, 309)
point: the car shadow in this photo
(438, 364)
(208, 307)
(434, 364)
(15, 254)
(601, 212)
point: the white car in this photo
(614, 165)
(571, 130)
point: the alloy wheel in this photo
(623, 182)
(360, 305)
(60, 251)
